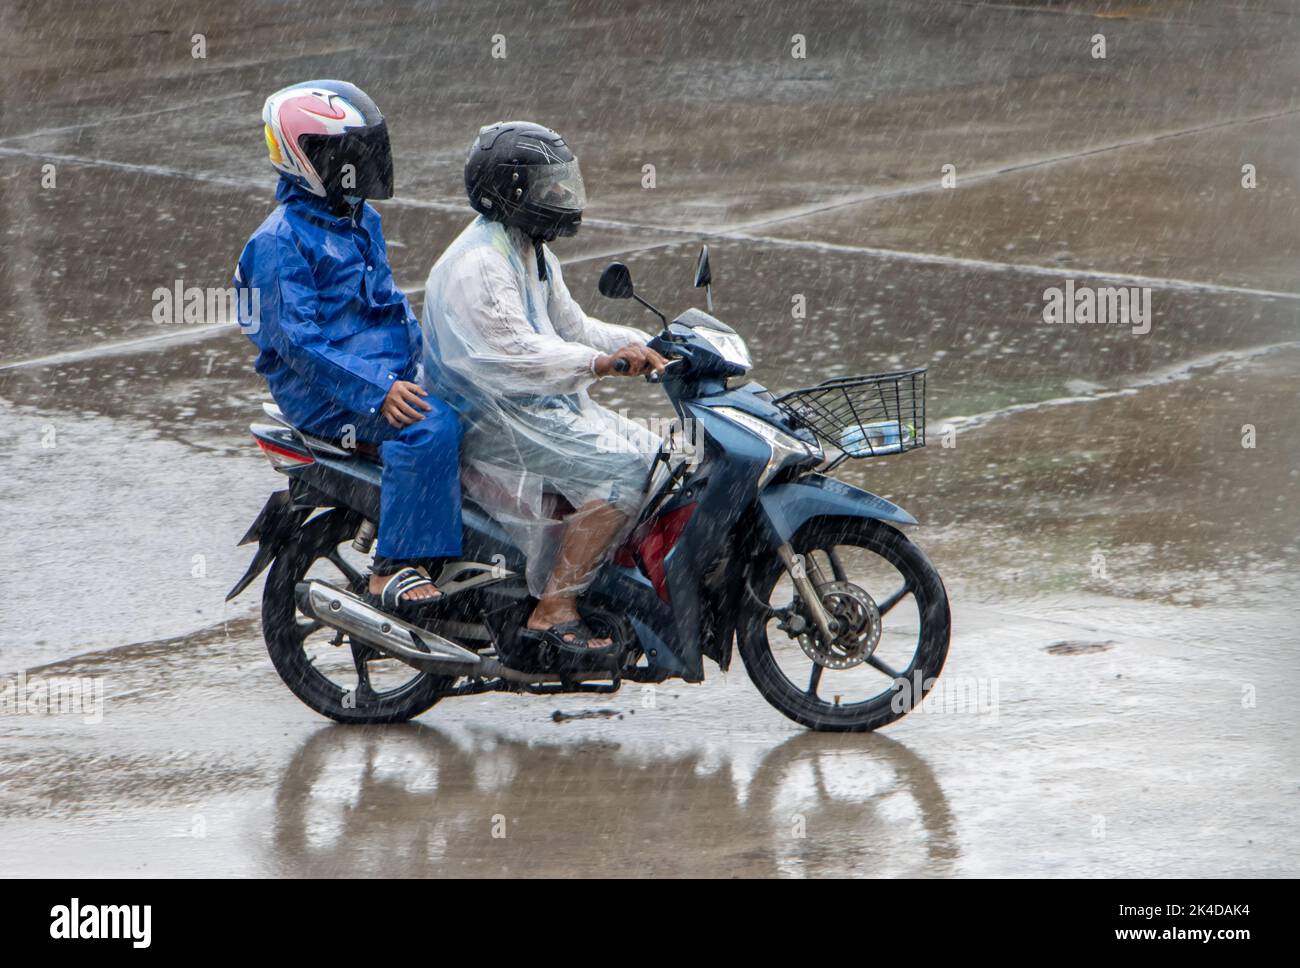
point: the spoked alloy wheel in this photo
(891, 628)
(347, 681)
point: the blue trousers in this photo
(419, 504)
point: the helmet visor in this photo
(357, 162)
(557, 187)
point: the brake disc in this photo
(858, 621)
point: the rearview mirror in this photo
(702, 274)
(615, 282)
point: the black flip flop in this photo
(389, 599)
(558, 654)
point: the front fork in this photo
(808, 578)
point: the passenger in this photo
(338, 344)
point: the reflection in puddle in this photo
(419, 802)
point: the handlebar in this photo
(622, 366)
(653, 377)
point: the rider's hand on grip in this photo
(631, 360)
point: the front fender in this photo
(788, 506)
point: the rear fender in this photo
(278, 521)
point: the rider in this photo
(338, 343)
(510, 349)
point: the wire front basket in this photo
(864, 416)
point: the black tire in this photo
(319, 538)
(803, 705)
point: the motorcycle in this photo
(749, 543)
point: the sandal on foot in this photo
(561, 654)
(389, 598)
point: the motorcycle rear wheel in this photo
(326, 686)
(770, 655)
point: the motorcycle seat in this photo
(555, 506)
(332, 448)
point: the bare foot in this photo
(377, 583)
(551, 612)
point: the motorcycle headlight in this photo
(783, 445)
(729, 345)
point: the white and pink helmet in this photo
(330, 138)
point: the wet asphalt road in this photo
(1122, 570)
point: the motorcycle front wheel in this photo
(892, 627)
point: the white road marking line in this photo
(124, 117)
(1173, 373)
(182, 334)
(1131, 15)
(988, 265)
(161, 171)
(1042, 161)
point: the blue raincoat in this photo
(333, 333)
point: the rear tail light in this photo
(282, 458)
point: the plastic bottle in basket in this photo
(874, 439)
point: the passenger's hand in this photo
(400, 405)
(640, 360)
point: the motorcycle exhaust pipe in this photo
(419, 648)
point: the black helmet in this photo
(330, 138)
(524, 175)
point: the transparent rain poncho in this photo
(514, 354)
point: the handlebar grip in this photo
(621, 365)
